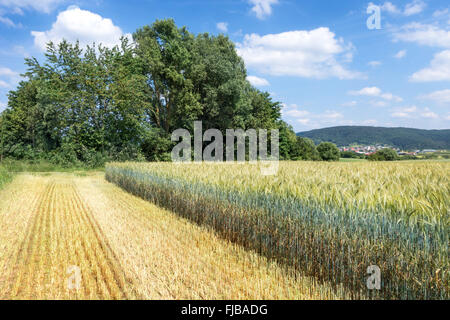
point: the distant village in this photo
(369, 150)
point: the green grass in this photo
(16, 166)
(5, 176)
(352, 160)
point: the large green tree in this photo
(96, 104)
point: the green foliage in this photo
(352, 155)
(384, 155)
(5, 176)
(328, 151)
(403, 138)
(99, 104)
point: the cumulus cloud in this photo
(8, 22)
(257, 81)
(414, 112)
(423, 34)
(390, 7)
(370, 122)
(440, 13)
(374, 64)
(401, 54)
(412, 8)
(262, 8)
(8, 77)
(75, 24)
(406, 112)
(298, 115)
(429, 114)
(308, 54)
(376, 92)
(222, 26)
(439, 69)
(45, 6)
(377, 103)
(442, 96)
(349, 104)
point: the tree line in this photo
(100, 104)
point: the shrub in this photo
(328, 151)
(384, 155)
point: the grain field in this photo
(57, 226)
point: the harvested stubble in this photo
(330, 221)
(125, 247)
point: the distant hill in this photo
(403, 138)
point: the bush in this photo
(328, 151)
(384, 155)
(352, 155)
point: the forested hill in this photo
(404, 138)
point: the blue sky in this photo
(319, 58)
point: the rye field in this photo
(225, 231)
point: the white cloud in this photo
(8, 22)
(374, 64)
(412, 8)
(257, 81)
(376, 92)
(406, 112)
(389, 7)
(308, 54)
(7, 72)
(439, 69)
(349, 104)
(332, 115)
(440, 13)
(429, 114)
(415, 7)
(10, 77)
(45, 6)
(3, 106)
(222, 26)
(423, 34)
(414, 113)
(376, 103)
(400, 114)
(304, 121)
(297, 115)
(262, 8)
(75, 24)
(442, 96)
(401, 54)
(370, 122)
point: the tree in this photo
(306, 150)
(328, 151)
(384, 155)
(163, 51)
(97, 104)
